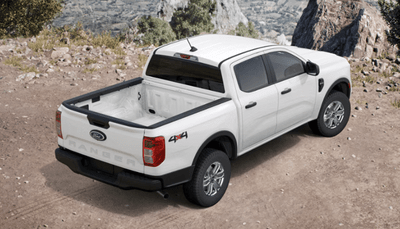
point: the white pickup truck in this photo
(197, 107)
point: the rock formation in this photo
(342, 27)
(105, 15)
(227, 15)
(273, 17)
(116, 15)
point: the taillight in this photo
(153, 151)
(58, 124)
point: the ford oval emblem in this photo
(98, 135)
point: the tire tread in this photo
(191, 189)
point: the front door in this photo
(296, 89)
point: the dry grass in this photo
(357, 69)
(89, 70)
(105, 39)
(13, 61)
(369, 79)
(50, 38)
(27, 69)
(20, 51)
(142, 60)
(384, 75)
(120, 63)
(119, 51)
(16, 62)
(395, 69)
(396, 103)
(89, 61)
(53, 62)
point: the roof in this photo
(213, 48)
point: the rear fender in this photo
(224, 141)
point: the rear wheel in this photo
(210, 178)
(333, 116)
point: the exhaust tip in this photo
(165, 195)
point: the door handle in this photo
(250, 105)
(287, 90)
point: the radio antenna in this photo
(192, 48)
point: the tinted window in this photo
(186, 72)
(251, 74)
(285, 65)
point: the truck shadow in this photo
(135, 202)
(271, 149)
(99, 195)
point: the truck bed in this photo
(144, 103)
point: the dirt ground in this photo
(298, 180)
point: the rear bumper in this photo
(120, 177)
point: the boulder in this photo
(67, 56)
(27, 77)
(59, 52)
(391, 57)
(346, 28)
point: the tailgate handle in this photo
(98, 121)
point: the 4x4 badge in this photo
(177, 137)
(98, 135)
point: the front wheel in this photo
(210, 178)
(333, 116)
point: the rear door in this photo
(296, 89)
(109, 142)
(258, 100)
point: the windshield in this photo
(186, 72)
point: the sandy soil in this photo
(299, 180)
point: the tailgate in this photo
(110, 142)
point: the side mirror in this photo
(312, 68)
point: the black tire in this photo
(194, 190)
(319, 126)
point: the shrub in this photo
(107, 40)
(155, 30)
(391, 12)
(246, 31)
(26, 17)
(16, 62)
(13, 61)
(194, 19)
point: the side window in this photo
(251, 74)
(285, 65)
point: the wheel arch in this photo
(342, 85)
(223, 140)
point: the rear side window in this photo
(285, 65)
(251, 74)
(187, 72)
